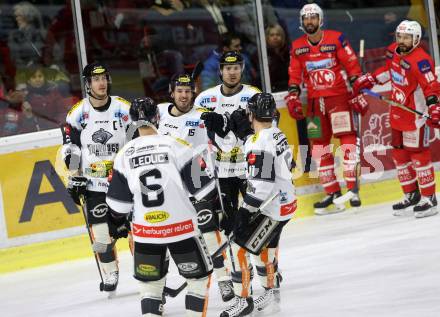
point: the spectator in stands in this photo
(278, 57)
(44, 107)
(210, 74)
(27, 41)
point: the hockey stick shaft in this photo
(84, 211)
(394, 103)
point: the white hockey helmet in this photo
(309, 10)
(410, 27)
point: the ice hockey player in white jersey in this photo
(180, 119)
(223, 100)
(269, 161)
(154, 175)
(94, 132)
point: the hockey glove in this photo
(294, 105)
(216, 123)
(241, 221)
(366, 81)
(359, 104)
(434, 111)
(240, 124)
(76, 187)
(118, 226)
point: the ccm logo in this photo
(262, 232)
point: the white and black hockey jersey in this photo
(102, 135)
(188, 126)
(229, 163)
(269, 163)
(154, 175)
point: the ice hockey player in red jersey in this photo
(318, 59)
(415, 85)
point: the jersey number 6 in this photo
(152, 194)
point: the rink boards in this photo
(40, 225)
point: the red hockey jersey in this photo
(321, 66)
(412, 80)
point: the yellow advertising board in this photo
(34, 196)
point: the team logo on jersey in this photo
(204, 216)
(283, 197)
(192, 123)
(156, 216)
(148, 159)
(288, 209)
(282, 146)
(322, 78)
(244, 99)
(101, 136)
(398, 95)
(129, 151)
(326, 48)
(302, 50)
(252, 158)
(187, 266)
(100, 210)
(121, 115)
(321, 64)
(424, 66)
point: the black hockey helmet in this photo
(144, 109)
(231, 58)
(93, 69)
(182, 80)
(263, 106)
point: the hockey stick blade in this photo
(173, 292)
(394, 103)
(344, 198)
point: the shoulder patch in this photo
(255, 137)
(74, 107)
(405, 64)
(389, 54)
(123, 100)
(254, 88)
(302, 50)
(424, 66)
(342, 40)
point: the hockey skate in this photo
(241, 307)
(322, 207)
(426, 207)
(266, 301)
(410, 199)
(111, 282)
(226, 290)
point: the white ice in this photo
(365, 263)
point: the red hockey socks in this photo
(348, 146)
(405, 170)
(425, 172)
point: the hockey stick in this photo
(84, 208)
(198, 68)
(357, 122)
(394, 103)
(173, 292)
(251, 220)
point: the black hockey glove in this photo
(118, 226)
(241, 221)
(240, 124)
(76, 187)
(216, 123)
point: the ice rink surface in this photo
(357, 264)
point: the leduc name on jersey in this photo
(154, 175)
